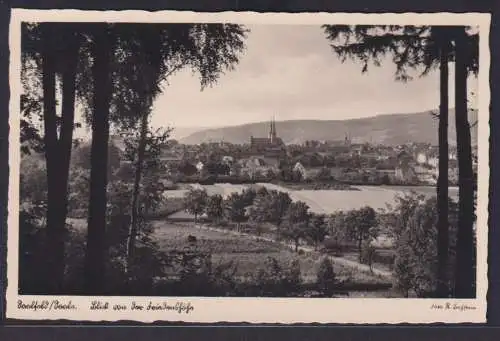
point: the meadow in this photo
(249, 254)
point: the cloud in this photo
(291, 72)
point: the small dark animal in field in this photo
(191, 239)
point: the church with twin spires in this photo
(267, 143)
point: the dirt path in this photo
(307, 249)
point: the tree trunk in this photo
(58, 151)
(442, 184)
(96, 238)
(68, 116)
(54, 271)
(465, 267)
(135, 195)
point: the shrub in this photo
(134, 278)
(197, 276)
(32, 257)
(31, 246)
(277, 280)
(33, 179)
(385, 257)
(166, 208)
(334, 246)
(415, 265)
(209, 180)
(326, 280)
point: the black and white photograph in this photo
(229, 160)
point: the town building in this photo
(270, 143)
(200, 166)
(405, 173)
(258, 166)
(309, 173)
(227, 160)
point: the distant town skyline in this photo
(291, 72)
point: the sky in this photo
(291, 72)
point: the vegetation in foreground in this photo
(248, 255)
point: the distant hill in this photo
(390, 129)
(182, 132)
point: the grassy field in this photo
(248, 254)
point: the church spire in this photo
(347, 140)
(271, 129)
(274, 128)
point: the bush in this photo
(415, 265)
(31, 249)
(32, 255)
(209, 180)
(326, 280)
(33, 179)
(386, 258)
(277, 280)
(197, 276)
(166, 208)
(134, 278)
(334, 246)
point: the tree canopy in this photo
(413, 49)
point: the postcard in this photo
(248, 167)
